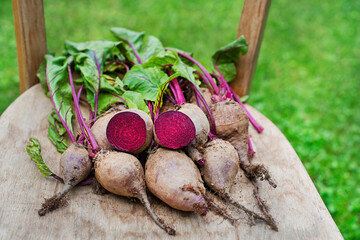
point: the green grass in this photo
(307, 80)
(309, 69)
(9, 79)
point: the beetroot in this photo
(202, 127)
(130, 131)
(167, 172)
(232, 124)
(188, 124)
(221, 165)
(75, 163)
(98, 129)
(173, 177)
(122, 174)
(219, 171)
(75, 166)
(177, 129)
(174, 130)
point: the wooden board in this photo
(252, 25)
(30, 39)
(295, 204)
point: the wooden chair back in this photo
(31, 40)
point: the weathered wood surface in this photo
(252, 25)
(30, 39)
(295, 203)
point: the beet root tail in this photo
(160, 222)
(219, 210)
(264, 208)
(251, 215)
(258, 172)
(55, 202)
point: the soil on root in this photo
(52, 204)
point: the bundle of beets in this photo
(156, 104)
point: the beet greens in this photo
(155, 84)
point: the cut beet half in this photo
(174, 129)
(126, 131)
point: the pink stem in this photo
(202, 79)
(178, 92)
(251, 150)
(126, 66)
(212, 121)
(172, 88)
(223, 81)
(198, 102)
(256, 125)
(57, 110)
(156, 115)
(203, 69)
(212, 136)
(171, 99)
(222, 87)
(122, 99)
(135, 52)
(91, 117)
(83, 136)
(150, 106)
(230, 93)
(84, 127)
(98, 90)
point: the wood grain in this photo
(295, 203)
(252, 26)
(30, 39)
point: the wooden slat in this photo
(30, 39)
(252, 25)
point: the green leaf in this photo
(177, 65)
(135, 100)
(105, 101)
(161, 59)
(145, 81)
(90, 74)
(85, 62)
(227, 56)
(104, 50)
(60, 90)
(129, 37)
(145, 45)
(151, 81)
(112, 66)
(34, 151)
(179, 50)
(41, 74)
(161, 91)
(185, 60)
(111, 85)
(228, 71)
(185, 71)
(244, 99)
(150, 47)
(56, 133)
(135, 38)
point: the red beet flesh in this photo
(174, 129)
(126, 131)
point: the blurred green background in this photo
(307, 80)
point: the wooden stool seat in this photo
(295, 204)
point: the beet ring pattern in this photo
(174, 129)
(126, 131)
